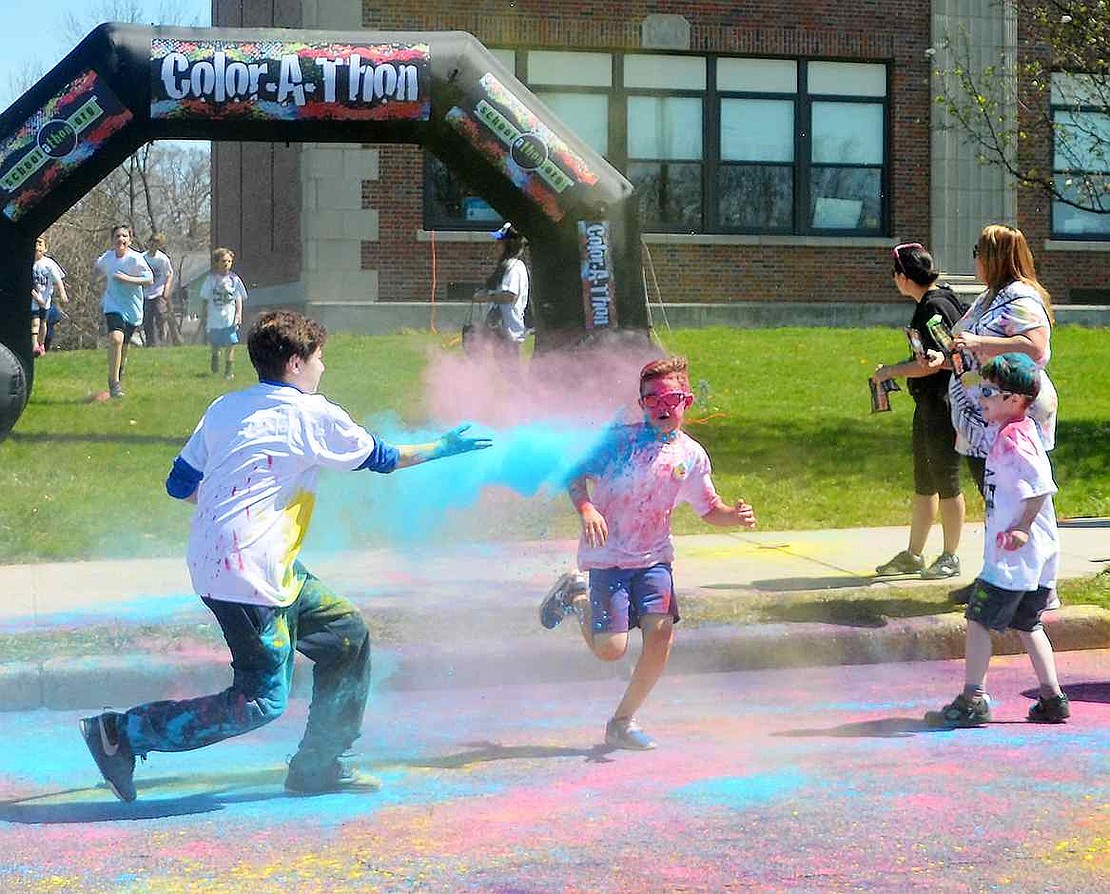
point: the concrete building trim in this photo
(939, 193)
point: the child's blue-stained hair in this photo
(1013, 372)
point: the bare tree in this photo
(1045, 117)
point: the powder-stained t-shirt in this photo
(1016, 309)
(259, 451)
(123, 298)
(1018, 469)
(637, 481)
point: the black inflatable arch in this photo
(125, 85)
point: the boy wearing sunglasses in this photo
(1020, 547)
(625, 492)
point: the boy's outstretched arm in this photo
(595, 529)
(724, 516)
(449, 443)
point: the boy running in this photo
(1020, 548)
(625, 492)
(251, 468)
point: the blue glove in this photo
(453, 442)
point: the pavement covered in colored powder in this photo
(812, 780)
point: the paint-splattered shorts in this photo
(999, 609)
(619, 597)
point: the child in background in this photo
(1020, 547)
(625, 492)
(223, 294)
(47, 293)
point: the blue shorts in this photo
(620, 597)
(223, 338)
(999, 609)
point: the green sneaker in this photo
(903, 563)
(962, 713)
(946, 565)
(1056, 709)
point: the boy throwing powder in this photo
(625, 492)
(251, 468)
(1020, 548)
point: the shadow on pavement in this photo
(209, 793)
(483, 752)
(802, 584)
(1080, 692)
(865, 612)
(884, 728)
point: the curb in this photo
(75, 683)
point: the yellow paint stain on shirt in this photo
(298, 513)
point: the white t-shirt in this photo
(45, 272)
(160, 266)
(515, 280)
(123, 298)
(637, 481)
(1017, 308)
(220, 291)
(259, 451)
(1017, 469)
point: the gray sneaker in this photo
(115, 389)
(946, 565)
(903, 563)
(556, 604)
(626, 733)
(108, 746)
(306, 778)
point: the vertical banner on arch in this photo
(598, 285)
(284, 80)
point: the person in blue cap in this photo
(507, 291)
(1021, 547)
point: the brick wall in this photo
(857, 30)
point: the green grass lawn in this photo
(789, 429)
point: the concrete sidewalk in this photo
(468, 595)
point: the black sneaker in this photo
(111, 752)
(946, 565)
(557, 604)
(903, 563)
(1055, 709)
(962, 713)
(337, 776)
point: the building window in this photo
(717, 144)
(1081, 158)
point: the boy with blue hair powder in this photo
(625, 493)
(251, 468)
(1020, 548)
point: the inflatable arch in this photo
(125, 85)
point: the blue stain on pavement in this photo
(743, 792)
(138, 610)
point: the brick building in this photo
(779, 147)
